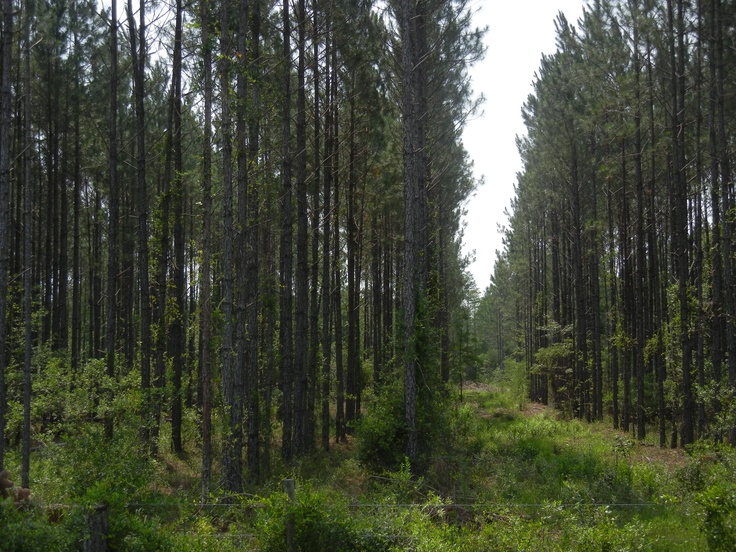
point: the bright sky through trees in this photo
(518, 33)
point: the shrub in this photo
(29, 530)
(381, 432)
(719, 516)
(321, 521)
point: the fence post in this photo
(289, 488)
(96, 538)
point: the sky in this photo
(519, 31)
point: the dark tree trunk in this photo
(232, 445)
(112, 229)
(27, 253)
(252, 288)
(205, 312)
(414, 105)
(138, 57)
(680, 195)
(614, 305)
(5, 120)
(76, 345)
(581, 303)
(726, 205)
(377, 311)
(241, 253)
(654, 279)
(326, 290)
(314, 305)
(177, 334)
(641, 303)
(340, 433)
(719, 323)
(285, 252)
(353, 367)
(301, 341)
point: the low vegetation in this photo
(507, 478)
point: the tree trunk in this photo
(76, 345)
(177, 334)
(719, 322)
(726, 207)
(340, 432)
(353, 367)
(232, 445)
(252, 387)
(5, 120)
(205, 312)
(642, 305)
(326, 290)
(314, 303)
(138, 57)
(301, 341)
(112, 229)
(680, 222)
(27, 252)
(242, 331)
(414, 106)
(285, 261)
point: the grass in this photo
(567, 481)
(506, 479)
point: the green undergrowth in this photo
(502, 479)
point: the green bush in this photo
(321, 521)
(381, 433)
(718, 521)
(29, 530)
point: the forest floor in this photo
(508, 478)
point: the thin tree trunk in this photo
(27, 251)
(340, 433)
(76, 346)
(376, 289)
(353, 367)
(641, 309)
(326, 291)
(314, 304)
(726, 207)
(138, 57)
(719, 323)
(414, 104)
(205, 312)
(112, 231)
(680, 238)
(242, 336)
(232, 445)
(177, 334)
(285, 262)
(301, 341)
(252, 244)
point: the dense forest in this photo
(225, 222)
(614, 296)
(235, 312)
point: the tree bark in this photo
(138, 57)
(414, 110)
(112, 229)
(252, 243)
(27, 252)
(205, 312)
(285, 261)
(232, 445)
(301, 343)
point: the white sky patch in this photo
(519, 31)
